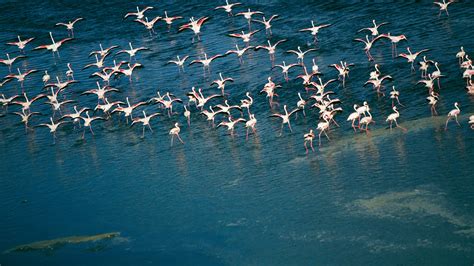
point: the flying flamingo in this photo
(285, 118)
(267, 23)
(315, 29)
(300, 54)
(145, 120)
(375, 29)
(411, 57)
(221, 82)
(228, 7)
(179, 62)
(368, 45)
(21, 44)
(270, 48)
(70, 26)
(54, 47)
(231, 124)
(9, 61)
(239, 52)
(195, 26)
(52, 127)
(88, 122)
(140, 14)
(443, 6)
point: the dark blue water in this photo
(387, 198)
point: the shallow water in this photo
(383, 198)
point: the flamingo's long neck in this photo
(52, 39)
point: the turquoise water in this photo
(387, 198)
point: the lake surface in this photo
(390, 198)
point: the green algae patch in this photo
(49, 245)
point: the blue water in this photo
(387, 198)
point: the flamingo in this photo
(394, 94)
(179, 62)
(443, 6)
(195, 26)
(128, 72)
(103, 52)
(432, 101)
(70, 25)
(128, 110)
(393, 118)
(394, 40)
(88, 122)
(424, 65)
(250, 124)
(453, 113)
(269, 89)
(206, 62)
(149, 25)
(21, 44)
(300, 54)
(187, 114)
(231, 124)
(225, 108)
(54, 47)
(221, 82)
(52, 127)
(366, 120)
(308, 138)
(133, 51)
(145, 120)
(267, 23)
(25, 117)
(285, 118)
(175, 132)
(210, 115)
(228, 7)
(353, 117)
(244, 36)
(270, 48)
(411, 57)
(315, 29)
(20, 77)
(239, 52)
(377, 83)
(285, 68)
(323, 127)
(61, 85)
(460, 55)
(343, 68)
(139, 14)
(375, 29)
(246, 103)
(46, 77)
(76, 116)
(69, 72)
(368, 45)
(169, 20)
(248, 14)
(9, 61)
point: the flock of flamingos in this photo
(230, 115)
